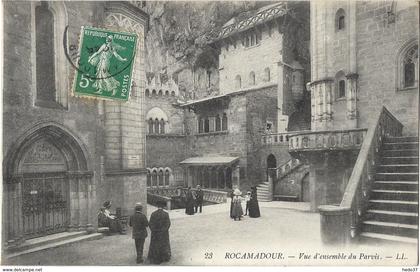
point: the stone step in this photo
(400, 159)
(54, 244)
(391, 228)
(396, 185)
(392, 216)
(398, 168)
(394, 195)
(394, 205)
(40, 241)
(401, 145)
(401, 139)
(378, 237)
(400, 153)
(397, 176)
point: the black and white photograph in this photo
(209, 133)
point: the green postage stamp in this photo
(105, 67)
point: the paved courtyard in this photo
(208, 238)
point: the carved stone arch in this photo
(410, 45)
(74, 151)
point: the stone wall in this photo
(261, 107)
(244, 60)
(378, 46)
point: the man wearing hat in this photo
(160, 247)
(139, 223)
(199, 199)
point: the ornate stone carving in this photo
(43, 152)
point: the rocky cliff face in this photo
(174, 43)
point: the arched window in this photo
(201, 125)
(151, 125)
(166, 93)
(147, 92)
(162, 126)
(267, 74)
(340, 19)
(173, 93)
(340, 85)
(252, 78)
(160, 93)
(409, 63)
(238, 83)
(224, 122)
(153, 92)
(160, 177)
(206, 125)
(167, 175)
(45, 51)
(218, 123)
(154, 178)
(156, 129)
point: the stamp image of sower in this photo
(105, 64)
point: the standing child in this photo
(247, 199)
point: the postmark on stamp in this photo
(105, 64)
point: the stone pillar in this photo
(321, 103)
(335, 225)
(125, 133)
(235, 176)
(282, 119)
(351, 100)
(12, 213)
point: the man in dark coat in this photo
(139, 223)
(160, 247)
(231, 203)
(199, 195)
(189, 202)
(254, 208)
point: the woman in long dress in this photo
(101, 60)
(189, 202)
(237, 211)
(254, 208)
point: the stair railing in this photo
(340, 224)
(287, 167)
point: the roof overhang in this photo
(210, 161)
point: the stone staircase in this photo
(392, 213)
(263, 192)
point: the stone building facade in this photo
(364, 56)
(213, 123)
(64, 156)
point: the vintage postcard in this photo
(210, 133)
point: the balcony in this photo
(327, 140)
(275, 138)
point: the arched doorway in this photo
(45, 172)
(271, 167)
(271, 171)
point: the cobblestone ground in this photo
(207, 239)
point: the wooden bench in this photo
(286, 198)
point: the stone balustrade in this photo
(175, 196)
(275, 138)
(327, 140)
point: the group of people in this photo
(194, 201)
(252, 207)
(159, 223)
(160, 248)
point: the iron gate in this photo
(45, 206)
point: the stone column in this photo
(351, 100)
(321, 103)
(125, 134)
(235, 176)
(282, 119)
